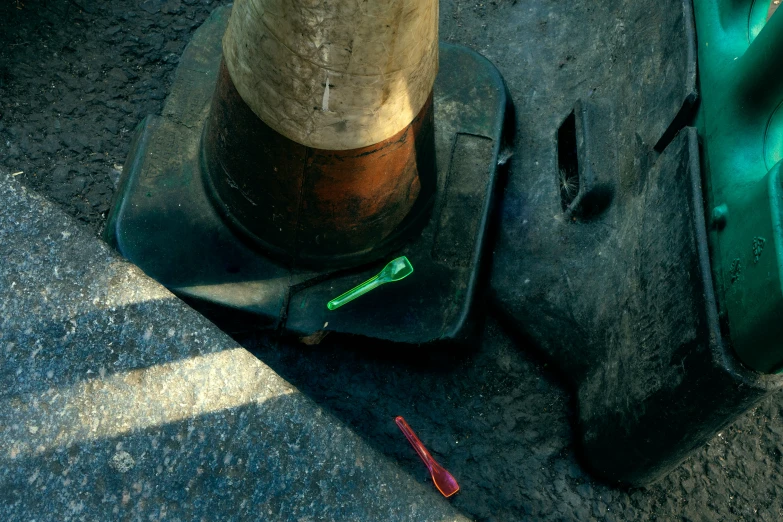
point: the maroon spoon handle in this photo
(424, 455)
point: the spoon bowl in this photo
(395, 270)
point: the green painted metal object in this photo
(740, 123)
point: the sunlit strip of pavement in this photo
(118, 401)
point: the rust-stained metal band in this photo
(314, 207)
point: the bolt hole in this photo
(567, 162)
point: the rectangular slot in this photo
(567, 162)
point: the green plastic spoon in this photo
(397, 269)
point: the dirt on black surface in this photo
(77, 76)
(501, 422)
(75, 81)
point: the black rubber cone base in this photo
(163, 221)
(602, 261)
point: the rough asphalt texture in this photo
(74, 83)
(119, 402)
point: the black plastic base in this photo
(163, 221)
(602, 260)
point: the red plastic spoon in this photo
(443, 480)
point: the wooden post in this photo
(319, 142)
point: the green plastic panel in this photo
(740, 122)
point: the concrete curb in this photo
(119, 402)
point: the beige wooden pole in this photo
(333, 74)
